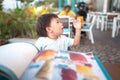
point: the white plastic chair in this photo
(109, 20)
(116, 26)
(89, 15)
(98, 21)
(66, 23)
(102, 21)
(89, 26)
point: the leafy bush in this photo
(17, 23)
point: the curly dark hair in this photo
(43, 22)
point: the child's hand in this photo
(77, 24)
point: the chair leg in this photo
(114, 28)
(105, 26)
(118, 27)
(88, 34)
(91, 37)
(103, 23)
(117, 31)
(98, 24)
(102, 26)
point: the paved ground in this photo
(105, 47)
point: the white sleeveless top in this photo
(62, 43)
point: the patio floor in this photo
(105, 47)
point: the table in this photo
(113, 70)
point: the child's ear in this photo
(48, 29)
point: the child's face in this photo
(56, 27)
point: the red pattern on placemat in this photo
(78, 57)
(68, 74)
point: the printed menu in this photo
(64, 65)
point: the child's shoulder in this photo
(64, 37)
(42, 38)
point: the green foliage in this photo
(17, 24)
(4, 29)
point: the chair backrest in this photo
(89, 15)
(66, 23)
(65, 20)
(93, 19)
(118, 22)
(89, 25)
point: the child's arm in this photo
(77, 26)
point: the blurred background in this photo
(18, 17)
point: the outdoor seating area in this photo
(106, 47)
(41, 38)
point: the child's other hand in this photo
(77, 24)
